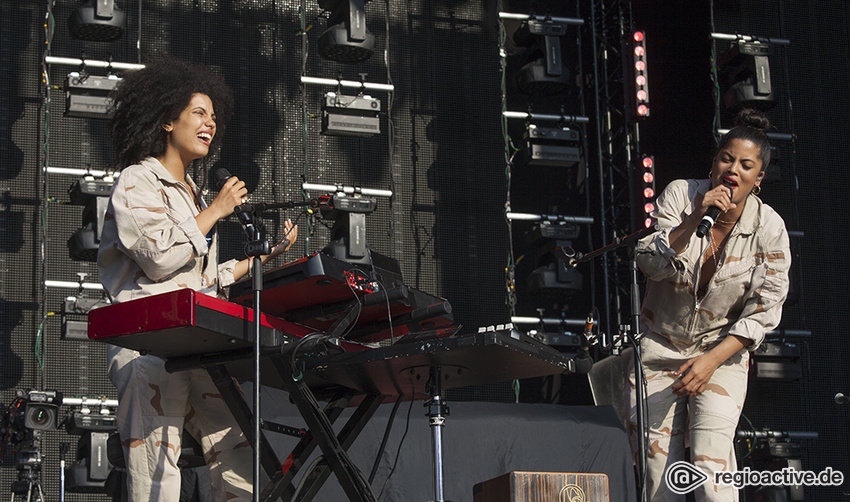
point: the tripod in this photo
(28, 463)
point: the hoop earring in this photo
(756, 190)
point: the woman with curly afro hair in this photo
(159, 236)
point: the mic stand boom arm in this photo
(618, 243)
(259, 207)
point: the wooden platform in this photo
(520, 486)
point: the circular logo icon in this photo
(682, 477)
(572, 493)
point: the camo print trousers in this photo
(154, 407)
(705, 423)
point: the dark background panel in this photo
(803, 187)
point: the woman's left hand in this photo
(290, 236)
(694, 375)
(244, 267)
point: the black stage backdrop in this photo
(444, 162)
(808, 78)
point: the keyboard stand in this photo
(356, 487)
(319, 422)
(411, 370)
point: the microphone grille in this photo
(221, 175)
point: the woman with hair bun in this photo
(159, 236)
(709, 302)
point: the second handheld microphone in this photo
(710, 216)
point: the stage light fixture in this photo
(93, 469)
(74, 314)
(747, 69)
(348, 235)
(98, 21)
(355, 116)
(648, 189)
(94, 195)
(546, 74)
(553, 277)
(550, 146)
(641, 74)
(87, 96)
(347, 39)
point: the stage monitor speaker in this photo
(520, 486)
(608, 383)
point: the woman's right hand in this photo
(719, 196)
(231, 195)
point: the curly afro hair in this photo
(155, 95)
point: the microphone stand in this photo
(256, 247)
(632, 332)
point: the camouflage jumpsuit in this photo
(151, 244)
(743, 298)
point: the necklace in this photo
(713, 249)
(702, 289)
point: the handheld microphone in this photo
(221, 176)
(710, 217)
(243, 214)
(840, 398)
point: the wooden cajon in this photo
(520, 486)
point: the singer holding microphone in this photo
(710, 299)
(159, 236)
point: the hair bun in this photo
(749, 117)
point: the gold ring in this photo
(244, 200)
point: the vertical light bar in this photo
(641, 75)
(649, 195)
